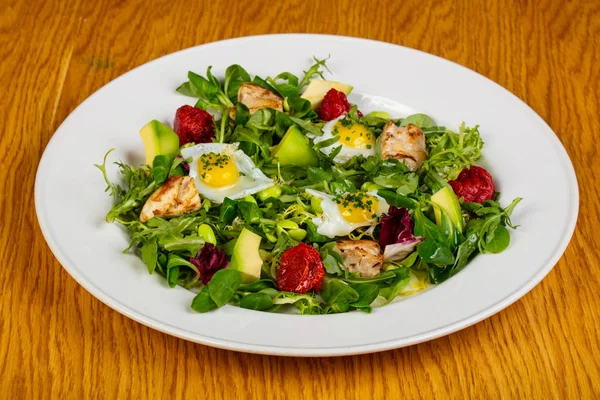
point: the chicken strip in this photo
(177, 196)
(406, 144)
(362, 256)
(256, 97)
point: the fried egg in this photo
(354, 137)
(221, 170)
(350, 211)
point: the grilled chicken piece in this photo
(256, 97)
(177, 196)
(362, 256)
(406, 144)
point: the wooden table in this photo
(57, 341)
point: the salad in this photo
(277, 192)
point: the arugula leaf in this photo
(228, 211)
(499, 242)
(338, 295)
(486, 234)
(242, 114)
(161, 166)
(384, 277)
(223, 285)
(173, 276)
(336, 291)
(341, 186)
(438, 274)
(315, 69)
(212, 78)
(465, 251)
(256, 301)
(249, 211)
(375, 121)
(287, 76)
(392, 173)
(178, 243)
(367, 293)
(300, 108)
(203, 87)
(203, 303)
(189, 89)
(332, 265)
(176, 168)
(332, 260)
(326, 143)
(209, 89)
(401, 280)
(262, 120)
(113, 189)
(174, 264)
(492, 220)
(396, 199)
(251, 137)
(435, 249)
(257, 80)
(282, 123)
(318, 174)
(307, 126)
(257, 286)
(288, 89)
(235, 75)
(150, 254)
(420, 120)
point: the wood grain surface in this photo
(57, 341)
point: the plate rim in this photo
(158, 325)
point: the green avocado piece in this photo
(317, 89)
(245, 257)
(158, 140)
(447, 201)
(294, 149)
(378, 114)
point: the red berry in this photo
(474, 184)
(193, 125)
(301, 269)
(334, 104)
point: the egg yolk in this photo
(353, 134)
(217, 170)
(358, 207)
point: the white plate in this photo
(521, 151)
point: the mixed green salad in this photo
(277, 191)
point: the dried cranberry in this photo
(334, 104)
(474, 184)
(209, 260)
(193, 125)
(301, 269)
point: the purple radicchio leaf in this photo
(397, 236)
(209, 260)
(396, 227)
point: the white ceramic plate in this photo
(521, 151)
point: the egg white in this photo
(347, 152)
(331, 223)
(252, 179)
